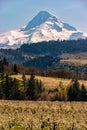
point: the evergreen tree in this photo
(7, 84)
(14, 92)
(34, 88)
(83, 93)
(1, 76)
(1, 92)
(7, 87)
(74, 91)
(24, 80)
(5, 61)
(15, 69)
(31, 90)
(1, 67)
(39, 88)
(2, 95)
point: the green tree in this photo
(24, 80)
(73, 93)
(7, 86)
(1, 92)
(14, 92)
(15, 69)
(5, 61)
(83, 93)
(1, 86)
(34, 88)
(31, 88)
(1, 67)
(39, 88)
(6, 83)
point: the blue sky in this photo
(16, 13)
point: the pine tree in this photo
(34, 88)
(83, 93)
(7, 84)
(74, 91)
(5, 61)
(39, 88)
(14, 92)
(24, 80)
(15, 69)
(31, 88)
(2, 95)
(1, 67)
(1, 92)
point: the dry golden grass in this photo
(49, 82)
(30, 115)
(76, 62)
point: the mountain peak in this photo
(43, 27)
(40, 18)
(44, 13)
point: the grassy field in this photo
(77, 59)
(76, 62)
(81, 56)
(28, 115)
(49, 82)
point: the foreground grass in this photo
(41, 115)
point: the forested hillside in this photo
(53, 48)
(49, 53)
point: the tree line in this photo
(63, 72)
(12, 89)
(33, 89)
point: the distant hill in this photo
(44, 55)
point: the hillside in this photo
(53, 48)
(50, 54)
(51, 83)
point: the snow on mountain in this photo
(43, 27)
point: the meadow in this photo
(76, 62)
(50, 82)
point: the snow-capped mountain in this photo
(43, 27)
